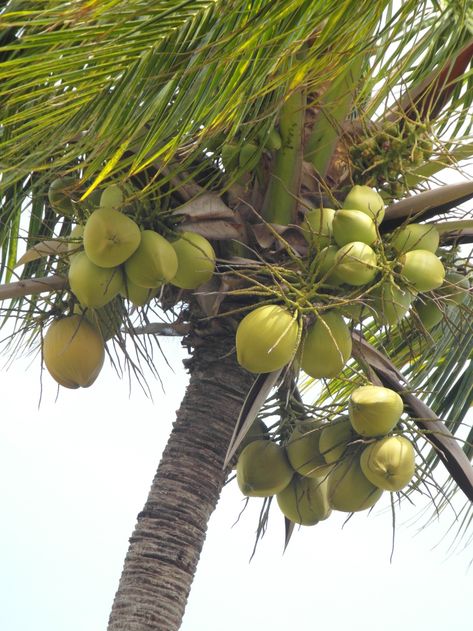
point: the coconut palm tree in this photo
(233, 120)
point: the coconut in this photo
(73, 352)
(59, 195)
(391, 303)
(153, 262)
(374, 410)
(326, 347)
(317, 226)
(423, 269)
(263, 469)
(139, 296)
(367, 200)
(455, 287)
(356, 264)
(112, 197)
(389, 463)
(348, 489)
(335, 438)
(257, 431)
(304, 501)
(326, 266)
(266, 339)
(428, 312)
(416, 236)
(303, 450)
(353, 225)
(110, 237)
(92, 285)
(196, 260)
(357, 311)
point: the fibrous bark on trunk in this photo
(170, 532)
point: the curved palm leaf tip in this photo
(276, 108)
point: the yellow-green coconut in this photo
(317, 226)
(349, 490)
(304, 501)
(92, 285)
(367, 200)
(326, 346)
(110, 237)
(416, 236)
(353, 225)
(374, 410)
(335, 438)
(154, 261)
(356, 264)
(196, 260)
(303, 450)
(263, 469)
(267, 339)
(73, 352)
(389, 463)
(422, 269)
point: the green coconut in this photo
(73, 352)
(389, 463)
(92, 285)
(423, 269)
(391, 303)
(326, 347)
(416, 236)
(317, 226)
(111, 197)
(153, 262)
(356, 264)
(267, 339)
(455, 288)
(335, 439)
(139, 296)
(367, 200)
(303, 450)
(304, 501)
(428, 312)
(348, 489)
(110, 237)
(326, 266)
(196, 260)
(374, 410)
(353, 225)
(60, 193)
(257, 431)
(263, 469)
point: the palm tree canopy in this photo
(152, 95)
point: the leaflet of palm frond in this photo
(288, 530)
(257, 395)
(427, 99)
(426, 205)
(448, 449)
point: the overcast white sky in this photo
(75, 472)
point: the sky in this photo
(75, 471)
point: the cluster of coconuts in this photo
(111, 256)
(390, 277)
(343, 465)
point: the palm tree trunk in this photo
(170, 532)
